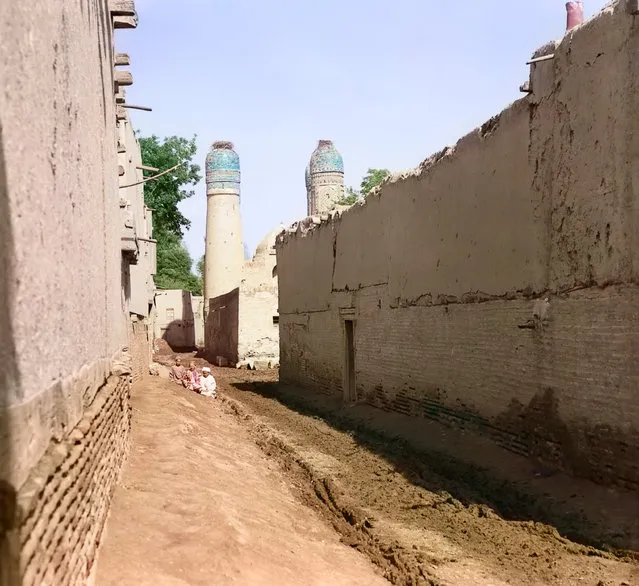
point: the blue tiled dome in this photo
(326, 159)
(222, 167)
(307, 176)
(222, 157)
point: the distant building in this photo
(240, 297)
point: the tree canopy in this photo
(372, 179)
(163, 195)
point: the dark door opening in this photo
(350, 394)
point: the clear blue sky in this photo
(389, 82)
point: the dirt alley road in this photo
(395, 510)
(199, 503)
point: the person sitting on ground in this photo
(207, 383)
(177, 372)
(192, 380)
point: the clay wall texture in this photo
(66, 289)
(240, 326)
(140, 345)
(69, 493)
(174, 318)
(442, 265)
(258, 338)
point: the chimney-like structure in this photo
(574, 14)
(325, 178)
(224, 254)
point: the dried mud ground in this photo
(423, 517)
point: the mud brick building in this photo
(76, 282)
(494, 287)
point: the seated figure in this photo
(207, 383)
(177, 372)
(192, 380)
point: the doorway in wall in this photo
(350, 394)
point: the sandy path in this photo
(200, 504)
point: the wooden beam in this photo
(123, 78)
(147, 168)
(122, 7)
(122, 59)
(540, 59)
(132, 107)
(121, 22)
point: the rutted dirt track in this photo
(424, 518)
(417, 535)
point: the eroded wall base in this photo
(561, 390)
(62, 508)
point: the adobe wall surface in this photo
(137, 215)
(175, 321)
(63, 503)
(64, 301)
(258, 339)
(63, 314)
(221, 329)
(445, 271)
(140, 345)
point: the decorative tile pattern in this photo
(326, 159)
(222, 167)
(324, 178)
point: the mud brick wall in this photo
(140, 349)
(494, 288)
(62, 508)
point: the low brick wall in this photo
(563, 394)
(62, 508)
(140, 349)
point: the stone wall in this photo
(65, 286)
(445, 271)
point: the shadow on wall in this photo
(221, 330)
(179, 333)
(9, 376)
(179, 336)
(585, 516)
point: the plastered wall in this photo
(64, 303)
(258, 340)
(446, 269)
(175, 318)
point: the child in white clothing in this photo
(207, 383)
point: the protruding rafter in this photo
(122, 59)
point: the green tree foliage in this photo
(163, 196)
(372, 179)
(174, 266)
(350, 197)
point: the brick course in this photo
(564, 394)
(62, 508)
(445, 270)
(140, 349)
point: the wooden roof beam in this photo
(122, 8)
(122, 59)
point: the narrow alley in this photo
(199, 503)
